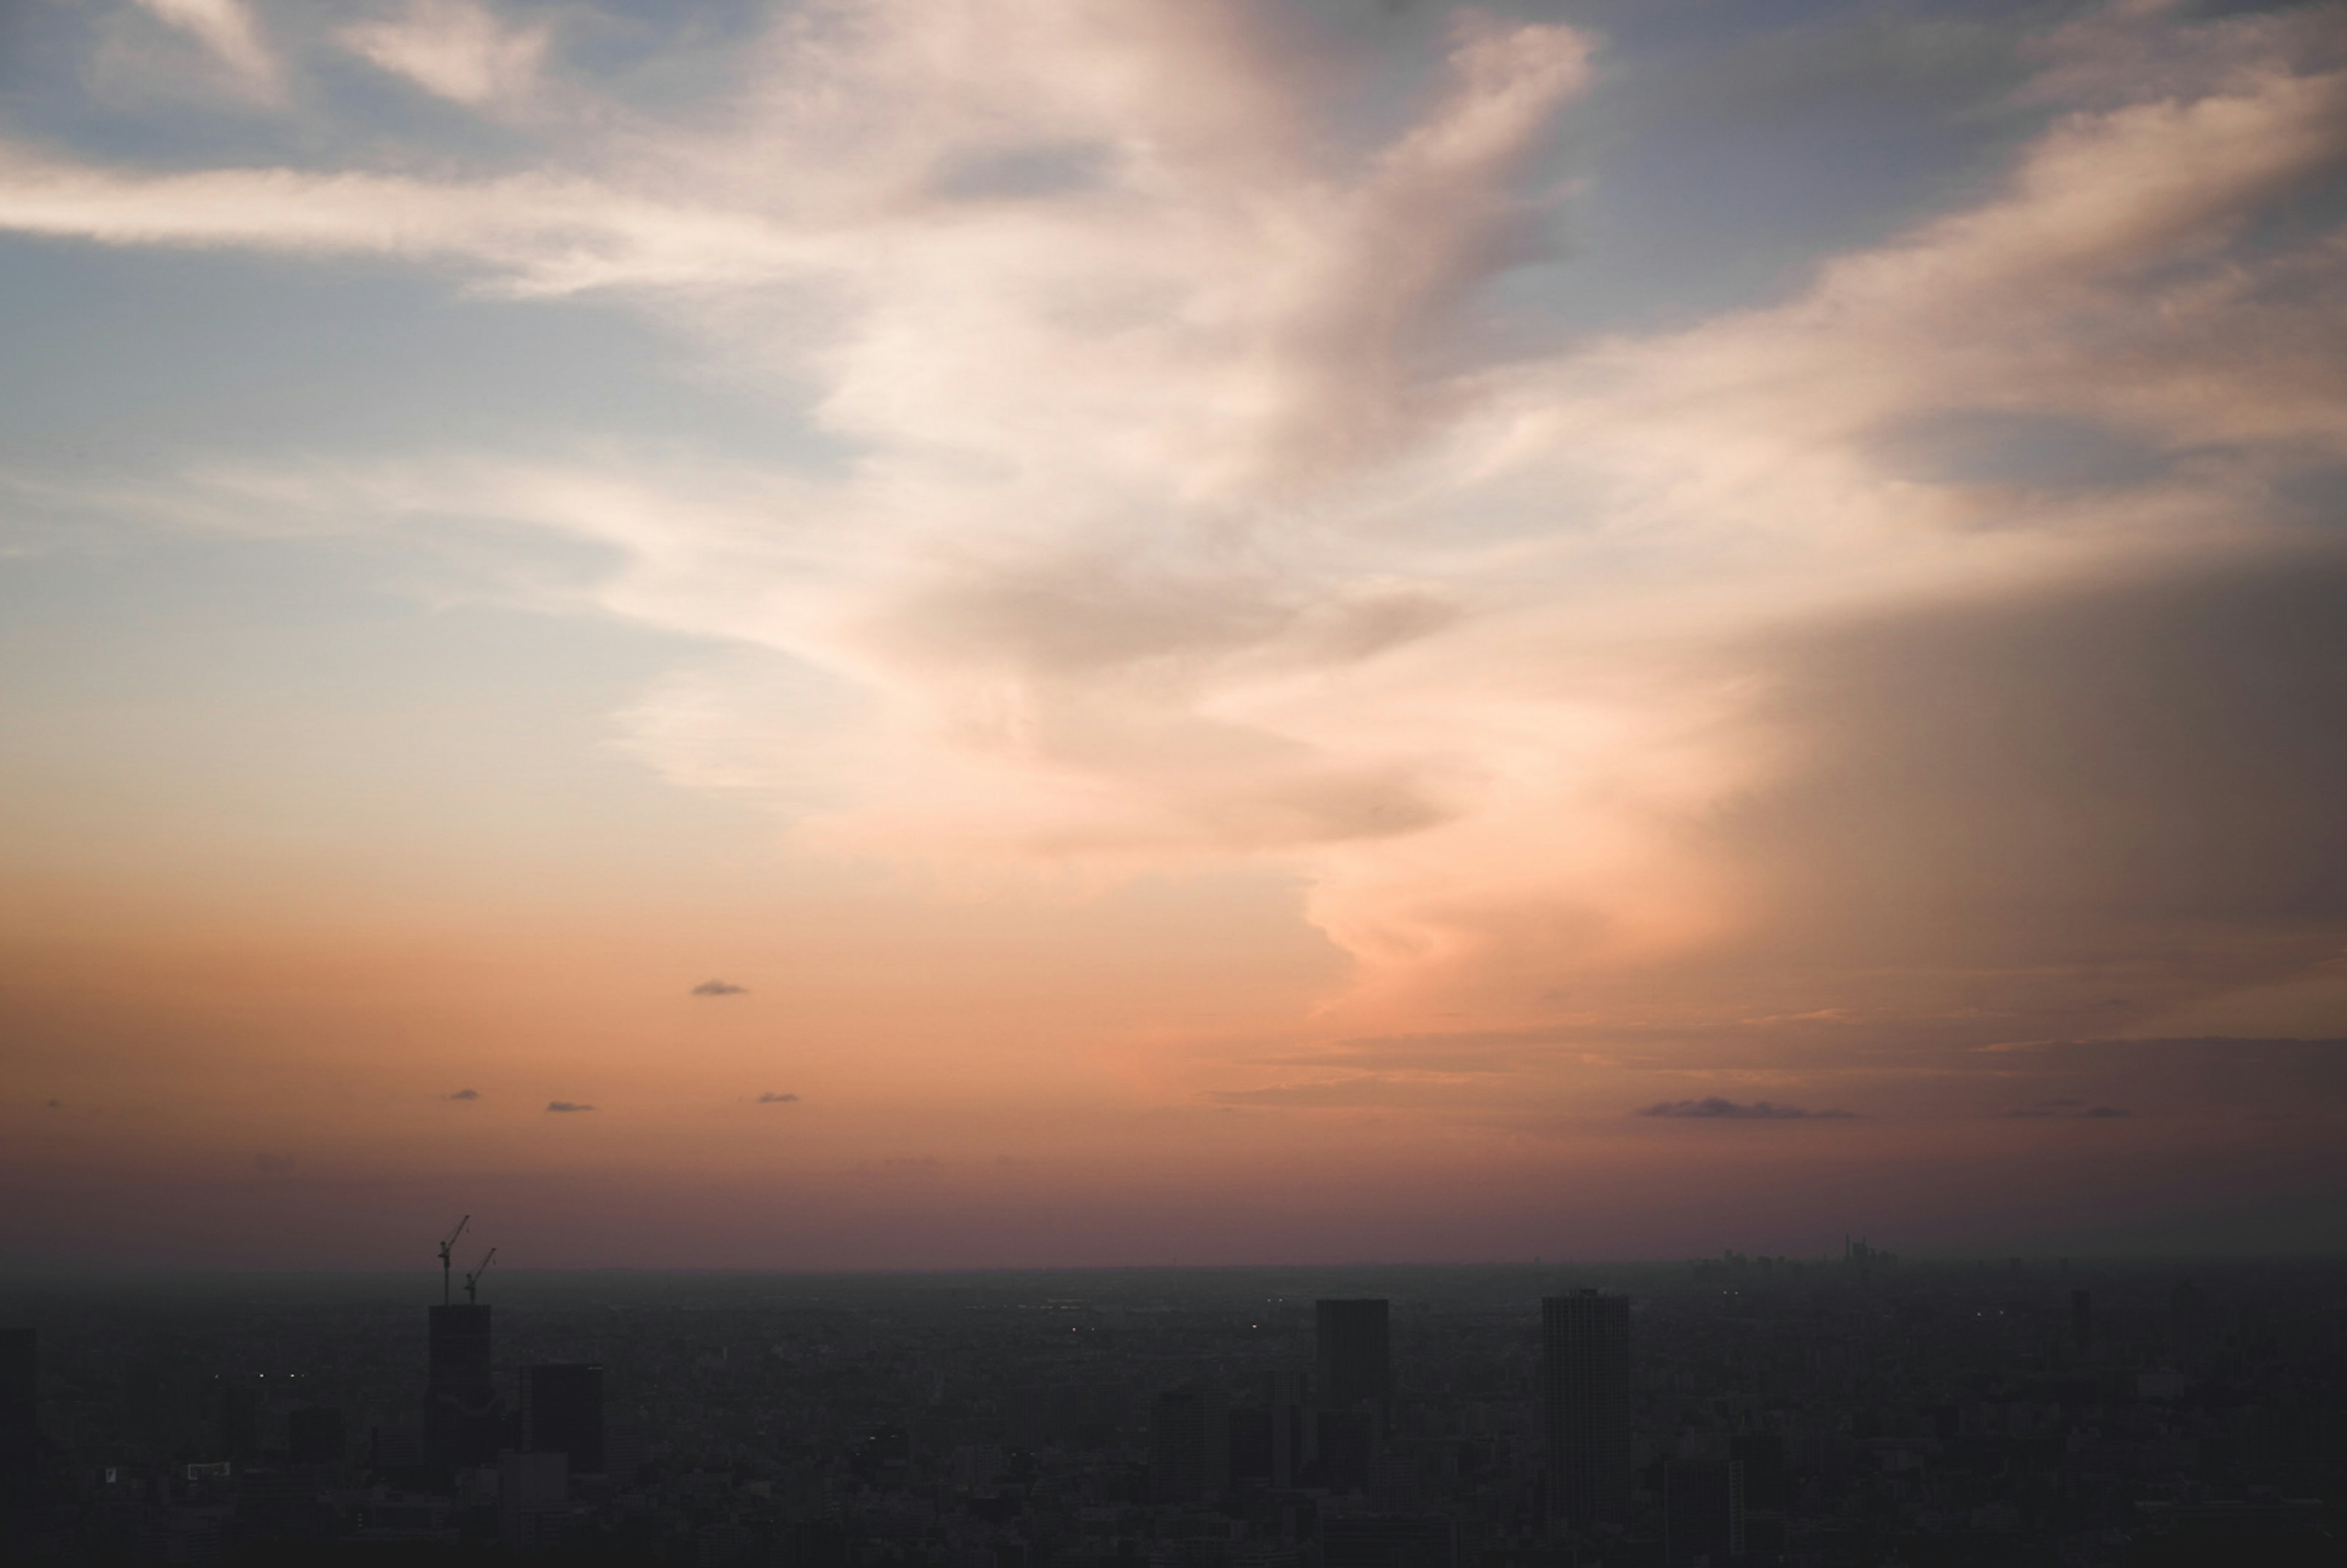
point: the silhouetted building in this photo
(1585, 1405)
(2082, 1324)
(280, 1509)
(533, 1499)
(20, 1441)
(314, 1435)
(1292, 1439)
(1352, 1362)
(1190, 1444)
(1762, 1455)
(2188, 1329)
(1345, 1442)
(1384, 1542)
(1250, 1443)
(239, 1418)
(460, 1406)
(1272, 1441)
(1703, 1512)
(562, 1412)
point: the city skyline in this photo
(1775, 1412)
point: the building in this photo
(20, 1441)
(1289, 1396)
(1190, 1444)
(2189, 1341)
(533, 1500)
(1388, 1541)
(460, 1402)
(1762, 1455)
(314, 1435)
(1585, 1405)
(562, 1412)
(239, 1422)
(1703, 1512)
(1352, 1359)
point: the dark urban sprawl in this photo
(1857, 1410)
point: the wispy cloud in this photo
(1367, 1089)
(454, 49)
(567, 1105)
(1713, 1108)
(227, 29)
(773, 1099)
(465, 1095)
(720, 989)
(1211, 496)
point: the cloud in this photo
(465, 1095)
(773, 1099)
(227, 30)
(1207, 493)
(567, 1105)
(273, 1165)
(2071, 1109)
(720, 989)
(1367, 1089)
(454, 49)
(54, 1105)
(1715, 1109)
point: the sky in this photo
(958, 633)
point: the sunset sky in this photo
(968, 632)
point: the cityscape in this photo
(1173, 784)
(1861, 1410)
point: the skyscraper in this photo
(239, 1422)
(1586, 1404)
(1703, 1511)
(1352, 1362)
(314, 1435)
(2188, 1338)
(1290, 1398)
(1190, 1440)
(460, 1403)
(562, 1412)
(20, 1442)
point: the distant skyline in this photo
(942, 633)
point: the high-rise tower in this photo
(460, 1403)
(1352, 1359)
(1585, 1405)
(1189, 1440)
(20, 1441)
(562, 1412)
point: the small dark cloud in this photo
(567, 1105)
(771, 1099)
(272, 1164)
(1714, 1109)
(56, 1105)
(720, 989)
(2070, 1109)
(465, 1094)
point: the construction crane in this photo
(446, 1248)
(473, 1278)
